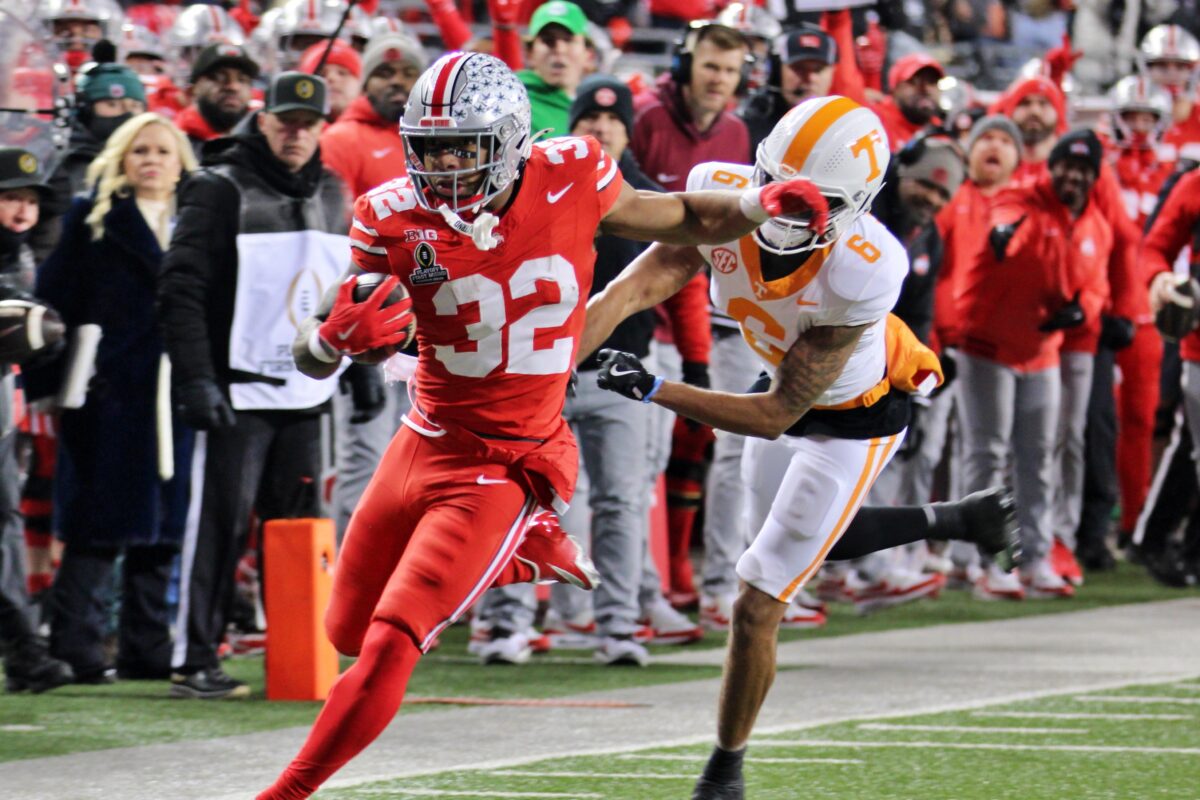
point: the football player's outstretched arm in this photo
(710, 217)
(658, 273)
(808, 369)
(306, 361)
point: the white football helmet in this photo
(1137, 93)
(304, 23)
(1169, 43)
(838, 145)
(466, 95)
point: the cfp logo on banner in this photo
(303, 296)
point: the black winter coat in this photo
(924, 247)
(107, 487)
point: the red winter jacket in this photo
(963, 223)
(1004, 300)
(363, 148)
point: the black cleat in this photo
(711, 790)
(989, 520)
(31, 669)
(208, 684)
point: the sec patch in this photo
(724, 260)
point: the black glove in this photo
(1069, 316)
(1001, 235)
(365, 384)
(202, 405)
(573, 383)
(1116, 333)
(624, 374)
(696, 374)
(949, 372)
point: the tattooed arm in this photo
(808, 368)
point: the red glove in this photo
(787, 199)
(505, 12)
(1060, 60)
(357, 327)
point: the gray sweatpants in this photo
(1008, 412)
(732, 368)
(1076, 371)
(360, 447)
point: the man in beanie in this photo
(221, 84)
(342, 72)
(27, 666)
(363, 147)
(1042, 273)
(802, 68)
(261, 215)
(107, 96)
(557, 56)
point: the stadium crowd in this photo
(1046, 205)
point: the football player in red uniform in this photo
(491, 235)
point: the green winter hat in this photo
(110, 82)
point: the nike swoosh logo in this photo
(483, 480)
(382, 153)
(344, 335)
(665, 178)
(554, 197)
(616, 373)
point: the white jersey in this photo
(854, 281)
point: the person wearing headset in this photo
(801, 66)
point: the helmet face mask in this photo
(1138, 94)
(843, 151)
(474, 108)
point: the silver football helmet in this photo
(467, 95)
(303, 23)
(1169, 43)
(1137, 93)
(196, 28)
(750, 21)
(105, 13)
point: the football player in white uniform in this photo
(812, 297)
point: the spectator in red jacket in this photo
(913, 104)
(1039, 108)
(363, 147)
(342, 71)
(222, 77)
(1024, 288)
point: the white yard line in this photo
(749, 760)
(481, 793)
(17, 728)
(1065, 748)
(1137, 699)
(636, 776)
(887, 726)
(1081, 715)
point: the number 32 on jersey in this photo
(488, 333)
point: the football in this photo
(364, 287)
(1175, 321)
(27, 328)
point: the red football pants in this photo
(1137, 399)
(433, 530)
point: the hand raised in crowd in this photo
(354, 327)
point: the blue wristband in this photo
(658, 382)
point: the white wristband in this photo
(321, 350)
(751, 206)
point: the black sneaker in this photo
(30, 668)
(989, 520)
(711, 790)
(208, 684)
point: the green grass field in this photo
(1068, 746)
(77, 718)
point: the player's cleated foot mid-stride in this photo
(989, 519)
(706, 789)
(554, 556)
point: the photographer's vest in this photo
(290, 251)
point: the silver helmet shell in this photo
(468, 96)
(1138, 93)
(1169, 43)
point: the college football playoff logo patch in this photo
(27, 164)
(428, 270)
(305, 89)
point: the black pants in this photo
(79, 608)
(1173, 497)
(267, 465)
(1100, 455)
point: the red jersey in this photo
(1174, 228)
(1182, 140)
(1141, 173)
(497, 330)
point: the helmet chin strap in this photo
(480, 230)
